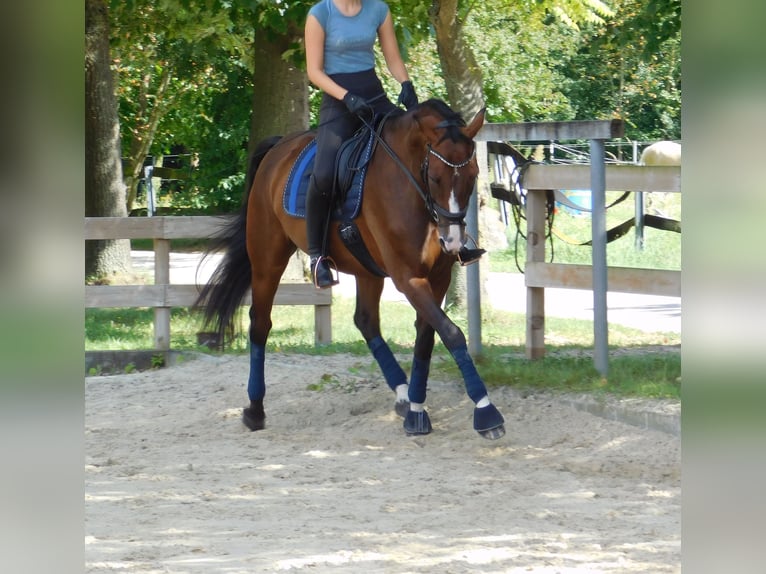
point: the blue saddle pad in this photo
(294, 195)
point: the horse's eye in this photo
(436, 180)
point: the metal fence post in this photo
(473, 282)
(598, 230)
(149, 190)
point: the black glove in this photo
(407, 96)
(357, 105)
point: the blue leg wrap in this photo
(392, 372)
(418, 380)
(474, 386)
(256, 384)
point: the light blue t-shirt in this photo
(349, 40)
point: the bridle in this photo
(435, 210)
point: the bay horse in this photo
(419, 179)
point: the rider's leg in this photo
(317, 213)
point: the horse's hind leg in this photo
(367, 320)
(267, 265)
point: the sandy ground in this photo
(175, 483)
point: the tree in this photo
(464, 79)
(104, 188)
(280, 89)
(168, 55)
(631, 67)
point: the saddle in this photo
(353, 156)
(350, 171)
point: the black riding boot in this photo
(317, 214)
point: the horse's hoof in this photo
(416, 423)
(254, 419)
(488, 422)
(493, 434)
(402, 408)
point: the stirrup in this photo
(331, 266)
(468, 256)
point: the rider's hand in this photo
(357, 105)
(407, 96)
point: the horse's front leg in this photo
(367, 320)
(487, 420)
(417, 420)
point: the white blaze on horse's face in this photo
(453, 235)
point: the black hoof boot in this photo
(253, 416)
(467, 256)
(321, 272)
(416, 423)
(488, 422)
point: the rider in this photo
(339, 39)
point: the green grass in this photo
(637, 367)
(177, 245)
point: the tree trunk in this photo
(461, 72)
(463, 80)
(280, 103)
(104, 188)
(280, 92)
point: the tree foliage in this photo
(185, 70)
(172, 58)
(631, 68)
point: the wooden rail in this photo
(539, 274)
(162, 296)
(539, 178)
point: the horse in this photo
(419, 179)
(660, 153)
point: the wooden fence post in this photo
(162, 277)
(322, 324)
(535, 344)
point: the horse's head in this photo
(449, 169)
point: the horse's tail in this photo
(223, 293)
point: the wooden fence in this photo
(540, 178)
(162, 296)
(539, 274)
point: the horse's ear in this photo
(476, 123)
